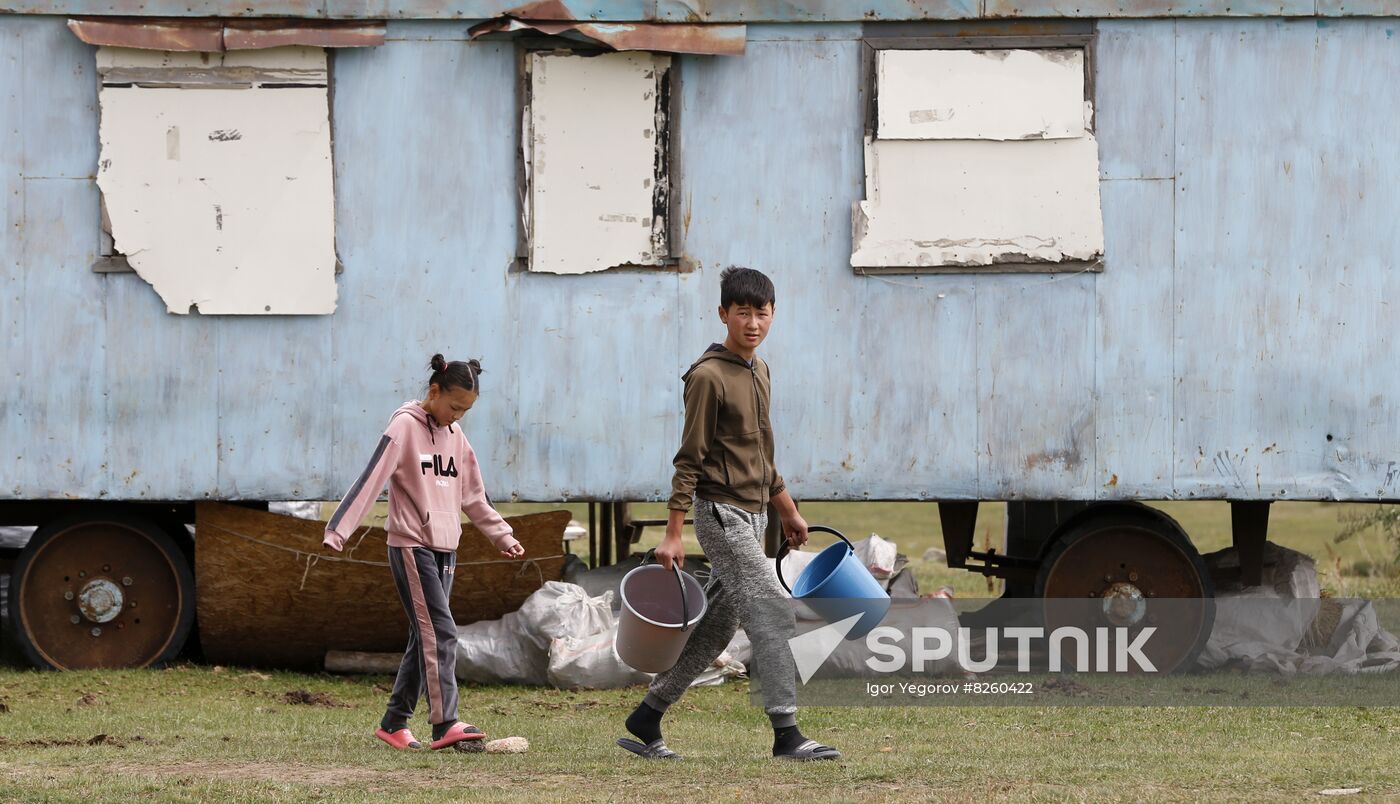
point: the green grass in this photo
(199, 734)
(227, 734)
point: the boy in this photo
(725, 465)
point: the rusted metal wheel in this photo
(1129, 567)
(101, 591)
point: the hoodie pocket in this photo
(444, 529)
(743, 469)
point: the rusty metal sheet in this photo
(214, 36)
(255, 34)
(711, 40)
(150, 34)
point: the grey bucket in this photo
(660, 608)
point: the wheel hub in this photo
(1124, 604)
(101, 600)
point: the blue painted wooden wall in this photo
(1237, 344)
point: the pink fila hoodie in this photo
(433, 475)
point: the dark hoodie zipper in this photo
(758, 403)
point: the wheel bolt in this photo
(1132, 576)
(133, 604)
(75, 619)
(97, 632)
(82, 574)
(68, 595)
(126, 580)
(106, 567)
(1107, 578)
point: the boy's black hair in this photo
(464, 374)
(745, 286)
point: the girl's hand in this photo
(516, 550)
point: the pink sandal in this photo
(458, 732)
(401, 740)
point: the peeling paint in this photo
(978, 203)
(215, 225)
(593, 157)
(980, 94)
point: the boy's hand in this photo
(516, 550)
(671, 550)
(795, 529)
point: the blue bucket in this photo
(836, 585)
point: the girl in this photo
(433, 475)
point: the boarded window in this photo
(595, 161)
(216, 177)
(980, 158)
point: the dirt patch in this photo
(71, 742)
(304, 698)
(1066, 686)
(315, 775)
(89, 699)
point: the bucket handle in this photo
(685, 607)
(783, 550)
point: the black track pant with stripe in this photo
(424, 581)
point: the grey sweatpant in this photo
(742, 591)
(424, 580)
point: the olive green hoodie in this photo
(726, 452)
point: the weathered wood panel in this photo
(14, 436)
(1035, 380)
(63, 393)
(427, 235)
(1134, 342)
(275, 397)
(1273, 291)
(1286, 244)
(1134, 104)
(163, 381)
(60, 100)
(747, 126)
(597, 390)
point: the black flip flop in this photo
(809, 751)
(655, 749)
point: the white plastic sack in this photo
(878, 554)
(1263, 627)
(515, 648)
(592, 663)
(500, 652)
(561, 609)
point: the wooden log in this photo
(357, 661)
(268, 594)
